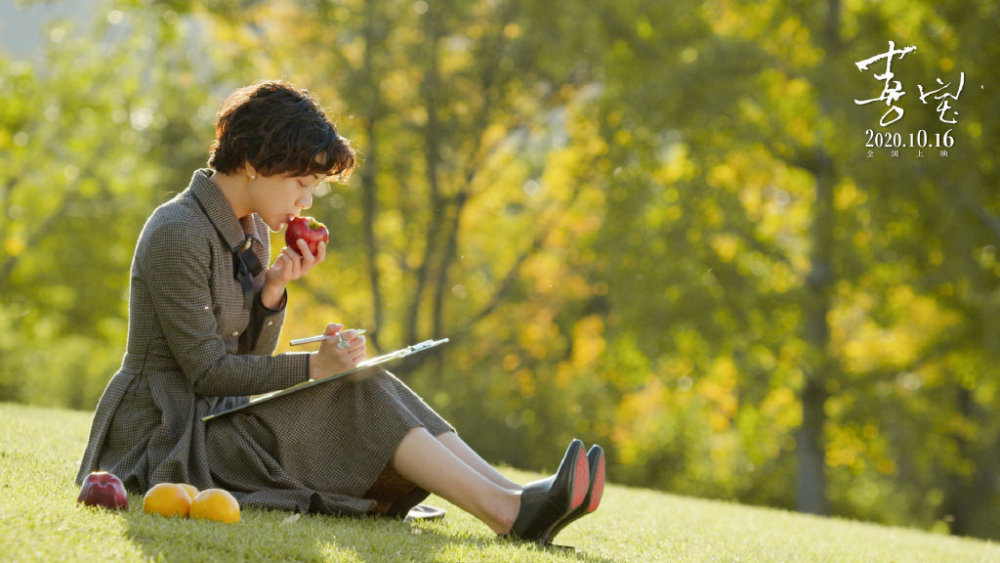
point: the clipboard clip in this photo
(402, 352)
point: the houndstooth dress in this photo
(198, 344)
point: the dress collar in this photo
(238, 234)
(235, 231)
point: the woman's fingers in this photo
(292, 264)
(357, 342)
(304, 252)
(346, 358)
(304, 258)
(295, 259)
(286, 265)
(321, 252)
(356, 352)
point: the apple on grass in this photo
(101, 488)
(308, 229)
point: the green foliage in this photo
(92, 136)
(653, 225)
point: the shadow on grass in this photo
(272, 535)
(436, 539)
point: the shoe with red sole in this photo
(595, 490)
(546, 502)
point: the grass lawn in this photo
(41, 521)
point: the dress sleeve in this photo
(261, 335)
(176, 266)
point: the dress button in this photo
(269, 323)
(236, 333)
(206, 307)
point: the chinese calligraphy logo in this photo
(892, 90)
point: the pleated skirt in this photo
(324, 449)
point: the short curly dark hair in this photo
(278, 129)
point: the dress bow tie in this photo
(245, 267)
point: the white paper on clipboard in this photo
(370, 362)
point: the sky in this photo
(23, 23)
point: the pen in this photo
(318, 337)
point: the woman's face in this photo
(278, 199)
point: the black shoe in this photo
(595, 490)
(544, 503)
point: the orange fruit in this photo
(216, 504)
(192, 491)
(167, 499)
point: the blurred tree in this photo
(89, 137)
(936, 215)
(816, 230)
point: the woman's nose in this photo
(305, 202)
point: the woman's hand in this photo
(331, 359)
(290, 265)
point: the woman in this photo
(204, 318)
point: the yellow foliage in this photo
(845, 448)
(721, 175)
(538, 334)
(638, 416)
(623, 138)
(588, 342)
(855, 447)
(564, 375)
(510, 362)
(790, 41)
(719, 388)
(512, 31)
(863, 345)
(782, 406)
(725, 245)
(886, 466)
(13, 245)
(718, 422)
(847, 195)
(673, 166)
(526, 382)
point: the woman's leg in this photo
(462, 450)
(428, 463)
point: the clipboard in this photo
(370, 362)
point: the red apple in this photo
(101, 488)
(308, 229)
